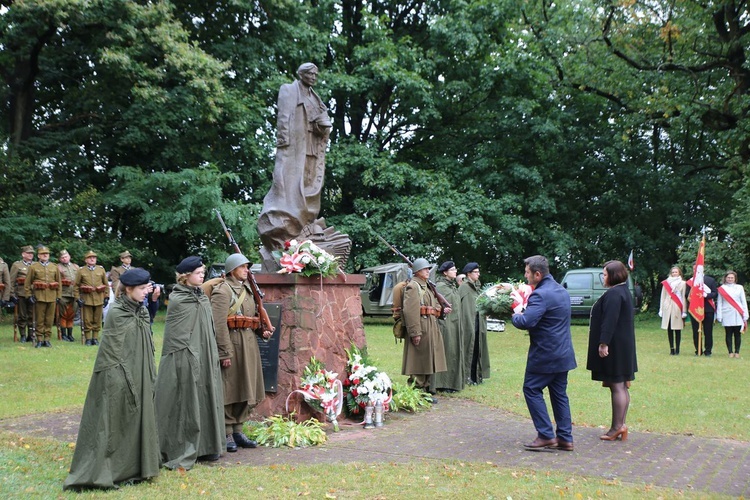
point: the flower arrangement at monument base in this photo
(364, 384)
(322, 391)
(307, 259)
(501, 300)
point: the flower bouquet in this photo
(306, 258)
(501, 300)
(365, 385)
(322, 391)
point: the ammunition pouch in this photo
(87, 289)
(240, 322)
(429, 311)
(40, 285)
(66, 282)
(101, 288)
(20, 281)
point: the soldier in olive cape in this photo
(43, 287)
(189, 390)
(18, 271)
(454, 378)
(91, 290)
(66, 310)
(473, 327)
(236, 321)
(117, 438)
(424, 354)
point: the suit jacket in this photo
(547, 318)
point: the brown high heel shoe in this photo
(621, 434)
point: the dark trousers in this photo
(557, 385)
(736, 333)
(708, 333)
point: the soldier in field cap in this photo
(18, 272)
(43, 287)
(66, 310)
(91, 291)
(114, 274)
(4, 283)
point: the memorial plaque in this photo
(269, 350)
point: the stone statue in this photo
(291, 207)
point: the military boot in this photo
(70, 335)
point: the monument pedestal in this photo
(319, 318)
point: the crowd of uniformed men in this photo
(43, 294)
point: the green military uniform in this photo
(117, 271)
(5, 287)
(474, 332)
(67, 307)
(18, 272)
(422, 361)
(117, 438)
(91, 287)
(43, 283)
(189, 390)
(243, 380)
(450, 326)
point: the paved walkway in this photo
(463, 430)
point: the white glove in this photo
(660, 314)
(684, 315)
(518, 309)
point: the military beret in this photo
(27, 248)
(125, 254)
(189, 264)
(445, 266)
(470, 267)
(135, 277)
(90, 253)
(42, 249)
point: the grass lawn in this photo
(672, 394)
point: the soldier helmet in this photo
(90, 253)
(234, 261)
(420, 264)
(42, 249)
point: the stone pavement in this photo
(459, 429)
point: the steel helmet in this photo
(420, 264)
(234, 261)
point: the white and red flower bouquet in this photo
(501, 300)
(365, 385)
(306, 258)
(322, 391)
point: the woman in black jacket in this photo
(611, 353)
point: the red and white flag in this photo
(631, 262)
(697, 300)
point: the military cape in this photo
(117, 437)
(189, 390)
(474, 331)
(450, 327)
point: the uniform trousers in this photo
(533, 391)
(708, 333)
(92, 320)
(235, 415)
(45, 317)
(23, 313)
(67, 312)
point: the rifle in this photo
(15, 322)
(265, 321)
(442, 300)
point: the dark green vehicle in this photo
(586, 285)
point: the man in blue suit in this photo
(551, 356)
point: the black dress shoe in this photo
(89, 342)
(541, 444)
(95, 341)
(241, 440)
(38, 345)
(209, 458)
(47, 344)
(23, 339)
(231, 445)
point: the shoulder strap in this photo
(237, 301)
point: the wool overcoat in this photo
(473, 330)
(450, 327)
(429, 356)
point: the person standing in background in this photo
(66, 311)
(91, 291)
(18, 272)
(731, 312)
(673, 308)
(473, 328)
(43, 287)
(710, 294)
(114, 274)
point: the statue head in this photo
(308, 74)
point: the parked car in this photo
(377, 292)
(495, 325)
(586, 285)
